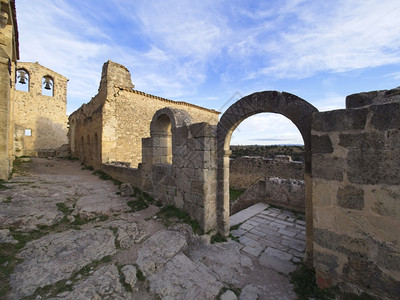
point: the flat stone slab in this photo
(55, 257)
(277, 259)
(181, 279)
(102, 284)
(158, 249)
(247, 213)
(224, 260)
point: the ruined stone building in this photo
(179, 153)
(111, 126)
(9, 55)
(40, 112)
(33, 100)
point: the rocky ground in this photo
(67, 234)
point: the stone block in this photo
(183, 184)
(370, 166)
(277, 260)
(321, 144)
(324, 193)
(191, 144)
(358, 271)
(182, 132)
(388, 257)
(352, 247)
(350, 197)
(198, 187)
(392, 139)
(325, 263)
(201, 130)
(181, 151)
(361, 141)
(386, 116)
(205, 144)
(255, 251)
(340, 120)
(360, 99)
(385, 201)
(326, 167)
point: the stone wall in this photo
(356, 194)
(244, 171)
(287, 193)
(189, 181)
(45, 116)
(9, 54)
(121, 117)
(351, 188)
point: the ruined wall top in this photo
(116, 75)
(9, 33)
(373, 98)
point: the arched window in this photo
(161, 134)
(47, 86)
(22, 80)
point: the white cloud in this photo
(333, 36)
(266, 129)
(173, 48)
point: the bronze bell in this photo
(22, 77)
(47, 86)
(47, 83)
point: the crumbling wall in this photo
(356, 194)
(45, 116)
(244, 171)
(287, 193)
(126, 115)
(129, 114)
(189, 180)
(9, 54)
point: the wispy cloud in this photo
(207, 49)
(266, 128)
(334, 36)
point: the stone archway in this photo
(295, 109)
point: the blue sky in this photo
(212, 53)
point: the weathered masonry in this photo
(356, 194)
(9, 54)
(40, 109)
(180, 155)
(33, 100)
(111, 126)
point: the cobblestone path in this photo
(275, 236)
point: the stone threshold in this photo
(247, 213)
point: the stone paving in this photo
(275, 236)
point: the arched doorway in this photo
(295, 109)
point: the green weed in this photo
(50, 291)
(104, 176)
(217, 238)
(2, 186)
(85, 167)
(122, 279)
(170, 211)
(7, 200)
(138, 204)
(304, 281)
(139, 274)
(234, 194)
